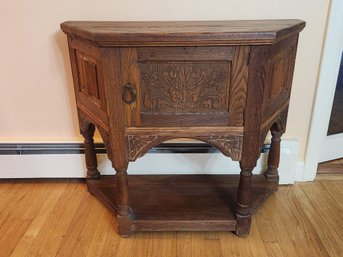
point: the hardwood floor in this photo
(60, 218)
(331, 167)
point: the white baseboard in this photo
(72, 165)
(299, 176)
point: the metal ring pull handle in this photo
(129, 94)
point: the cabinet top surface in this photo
(130, 33)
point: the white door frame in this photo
(325, 91)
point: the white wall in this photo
(37, 101)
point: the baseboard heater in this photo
(66, 160)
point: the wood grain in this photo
(173, 33)
(239, 86)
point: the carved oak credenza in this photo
(226, 83)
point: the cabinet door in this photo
(184, 86)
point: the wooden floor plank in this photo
(86, 235)
(167, 241)
(64, 220)
(212, 235)
(331, 167)
(70, 239)
(148, 244)
(303, 234)
(256, 243)
(265, 227)
(112, 240)
(325, 206)
(99, 238)
(273, 250)
(14, 217)
(43, 192)
(5, 188)
(154, 245)
(334, 248)
(335, 191)
(19, 219)
(38, 220)
(9, 201)
(14, 235)
(183, 244)
(274, 209)
(212, 247)
(51, 234)
(140, 245)
(326, 177)
(315, 213)
(198, 244)
(231, 245)
(125, 247)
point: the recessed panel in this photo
(88, 76)
(184, 87)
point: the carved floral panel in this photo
(187, 87)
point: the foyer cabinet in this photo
(226, 83)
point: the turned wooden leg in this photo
(274, 156)
(124, 213)
(243, 201)
(90, 155)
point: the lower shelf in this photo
(182, 202)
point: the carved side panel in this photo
(192, 87)
(281, 68)
(280, 74)
(88, 76)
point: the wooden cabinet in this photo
(226, 83)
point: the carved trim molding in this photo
(230, 145)
(140, 144)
